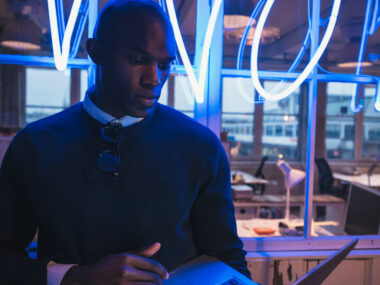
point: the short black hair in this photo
(115, 10)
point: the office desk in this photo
(245, 227)
(362, 179)
(248, 209)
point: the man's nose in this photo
(151, 77)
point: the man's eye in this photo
(135, 60)
(164, 65)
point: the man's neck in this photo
(97, 98)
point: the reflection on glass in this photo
(340, 128)
(83, 83)
(371, 126)
(43, 99)
(280, 124)
(183, 95)
(237, 116)
(164, 94)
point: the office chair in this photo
(326, 179)
(260, 188)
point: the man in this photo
(117, 201)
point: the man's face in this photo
(136, 65)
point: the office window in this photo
(183, 95)
(284, 114)
(43, 99)
(164, 94)
(237, 114)
(371, 124)
(333, 131)
(269, 130)
(278, 130)
(288, 131)
(340, 127)
(83, 83)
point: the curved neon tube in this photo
(197, 85)
(242, 44)
(356, 108)
(377, 97)
(61, 52)
(309, 67)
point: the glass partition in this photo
(237, 115)
(371, 126)
(340, 128)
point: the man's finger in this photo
(133, 274)
(149, 250)
(146, 264)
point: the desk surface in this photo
(362, 179)
(245, 227)
(293, 199)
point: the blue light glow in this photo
(61, 52)
(377, 97)
(309, 67)
(197, 85)
(251, 21)
(356, 106)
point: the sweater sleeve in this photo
(213, 217)
(18, 223)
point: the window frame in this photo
(252, 245)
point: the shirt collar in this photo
(103, 117)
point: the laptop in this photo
(207, 270)
(323, 270)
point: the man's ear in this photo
(95, 51)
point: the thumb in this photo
(148, 251)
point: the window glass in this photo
(371, 124)
(164, 94)
(280, 119)
(340, 128)
(83, 83)
(237, 115)
(183, 95)
(25, 29)
(44, 99)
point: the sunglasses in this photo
(109, 159)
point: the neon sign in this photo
(197, 85)
(356, 108)
(61, 50)
(309, 67)
(61, 47)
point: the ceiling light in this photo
(236, 13)
(353, 64)
(348, 56)
(233, 22)
(21, 33)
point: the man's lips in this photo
(149, 97)
(147, 100)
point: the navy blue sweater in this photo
(173, 188)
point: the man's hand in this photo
(123, 268)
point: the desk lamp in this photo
(292, 178)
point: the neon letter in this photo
(197, 85)
(309, 67)
(61, 52)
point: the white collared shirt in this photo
(103, 117)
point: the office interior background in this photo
(319, 144)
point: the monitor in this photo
(362, 211)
